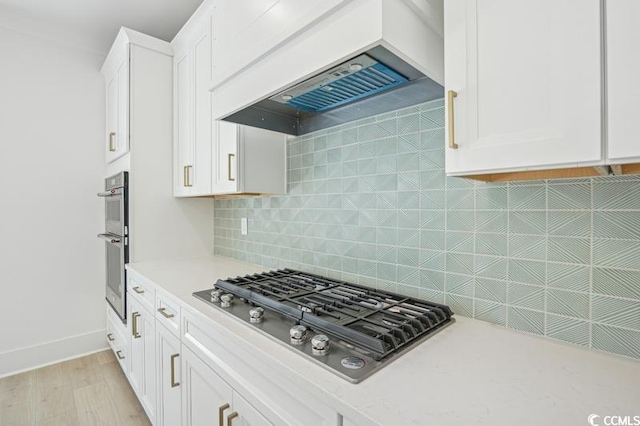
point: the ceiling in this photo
(99, 20)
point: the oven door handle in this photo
(111, 239)
(112, 192)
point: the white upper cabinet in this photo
(212, 157)
(126, 79)
(192, 107)
(528, 80)
(623, 69)
(250, 160)
(116, 74)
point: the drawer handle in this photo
(221, 414)
(134, 325)
(173, 371)
(452, 138)
(231, 416)
(229, 167)
(119, 355)
(112, 147)
(138, 290)
(164, 314)
(110, 337)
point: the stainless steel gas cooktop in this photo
(349, 329)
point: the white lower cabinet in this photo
(260, 395)
(116, 336)
(142, 372)
(206, 396)
(247, 415)
(187, 370)
(168, 353)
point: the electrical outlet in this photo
(244, 226)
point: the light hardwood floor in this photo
(86, 391)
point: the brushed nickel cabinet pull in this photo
(452, 138)
(221, 414)
(231, 416)
(164, 313)
(120, 356)
(229, 167)
(110, 337)
(138, 290)
(134, 325)
(186, 179)
(112, 147)
(173, 371)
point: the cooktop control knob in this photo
(215, 295)
(320, 344)
(225, 300)
(298, 334)
(256, 314)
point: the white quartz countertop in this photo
(470, 373)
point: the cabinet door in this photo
(226, 142)
(528, 81)
(183, 142)
(623, 68)
(169, 412)
(112, 116)
(122, 139)
(202, 119)
(117, 88)
(142, 373)
(247, 414)
(205, 394)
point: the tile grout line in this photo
(545, 324)
(507, 299)
(591, 265)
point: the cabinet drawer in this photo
(246, 371)
(168, 313)
(142, 291)
(118, 339)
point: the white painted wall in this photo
(51, 166)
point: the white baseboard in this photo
(25, 359)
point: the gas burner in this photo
(356, 330)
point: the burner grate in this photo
(378, 321)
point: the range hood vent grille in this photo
(371, 83)
(359, 78)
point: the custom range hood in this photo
(369, 84)
(392, 60)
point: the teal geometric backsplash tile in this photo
(369, 202)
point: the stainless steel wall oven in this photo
(116, 237)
